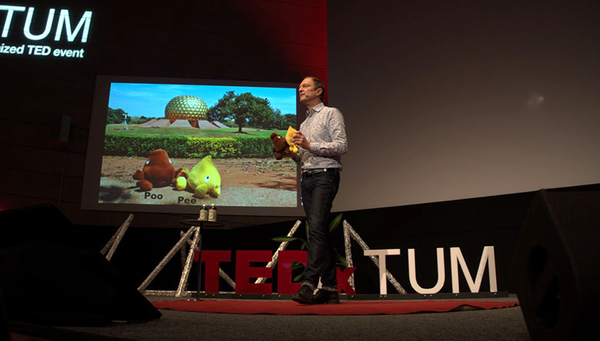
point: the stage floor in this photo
(496, 324)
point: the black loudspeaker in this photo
(49, 275)
(557, 265)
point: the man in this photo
(322, 141)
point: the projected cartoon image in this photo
(202, 180)
(197, 144)
(158, 171)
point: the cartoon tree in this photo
(283, 121)
(243, 109)
(116, 116)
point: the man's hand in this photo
(301, 140)
(288, 153)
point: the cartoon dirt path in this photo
(245, 182)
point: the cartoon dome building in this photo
(191, 109)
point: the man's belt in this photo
(310, 172)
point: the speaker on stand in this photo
(50, 275)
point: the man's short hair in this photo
(318, 85)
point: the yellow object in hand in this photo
(289, 138)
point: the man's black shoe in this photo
(304, 295)
(326, 297)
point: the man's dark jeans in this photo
(318, 192)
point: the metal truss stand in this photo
(195, 231)
(195, 244)
(271, 264)
(281, 247)
(109, 249)
(349, 232)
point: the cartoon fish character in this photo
(203, 179)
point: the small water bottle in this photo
(203, 213)
(212, 213)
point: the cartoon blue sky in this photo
(150, 100)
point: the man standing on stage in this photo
(322, 138)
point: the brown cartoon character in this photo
(157, 172)
(280, 146)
